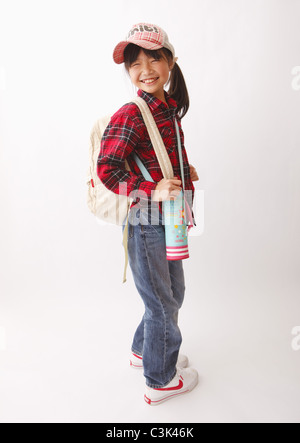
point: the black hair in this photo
(177, 89)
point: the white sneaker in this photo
(184, 381)
(136, 361)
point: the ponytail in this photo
(178, 91)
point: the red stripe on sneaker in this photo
(138, 356)
(153, 402)
(147, 400)
(176, 388)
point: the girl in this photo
(150, 60)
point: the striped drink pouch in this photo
(176, 228)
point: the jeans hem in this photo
(140, 354)
(150, 385)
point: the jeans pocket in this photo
(151, 230)
(130, 230)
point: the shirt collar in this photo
(155, 103)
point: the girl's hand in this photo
(194, 175)
(167, 189)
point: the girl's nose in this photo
(148, 68)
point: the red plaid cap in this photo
(146, 36)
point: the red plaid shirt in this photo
(126, 133)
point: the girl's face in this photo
(150, 75)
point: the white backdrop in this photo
(66, 318)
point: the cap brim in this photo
(118, 54)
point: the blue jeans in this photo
(161, 286)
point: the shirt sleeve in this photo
(119, 140)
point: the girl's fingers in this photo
(194, 175)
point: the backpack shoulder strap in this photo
(155, 137)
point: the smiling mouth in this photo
(150, 81)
